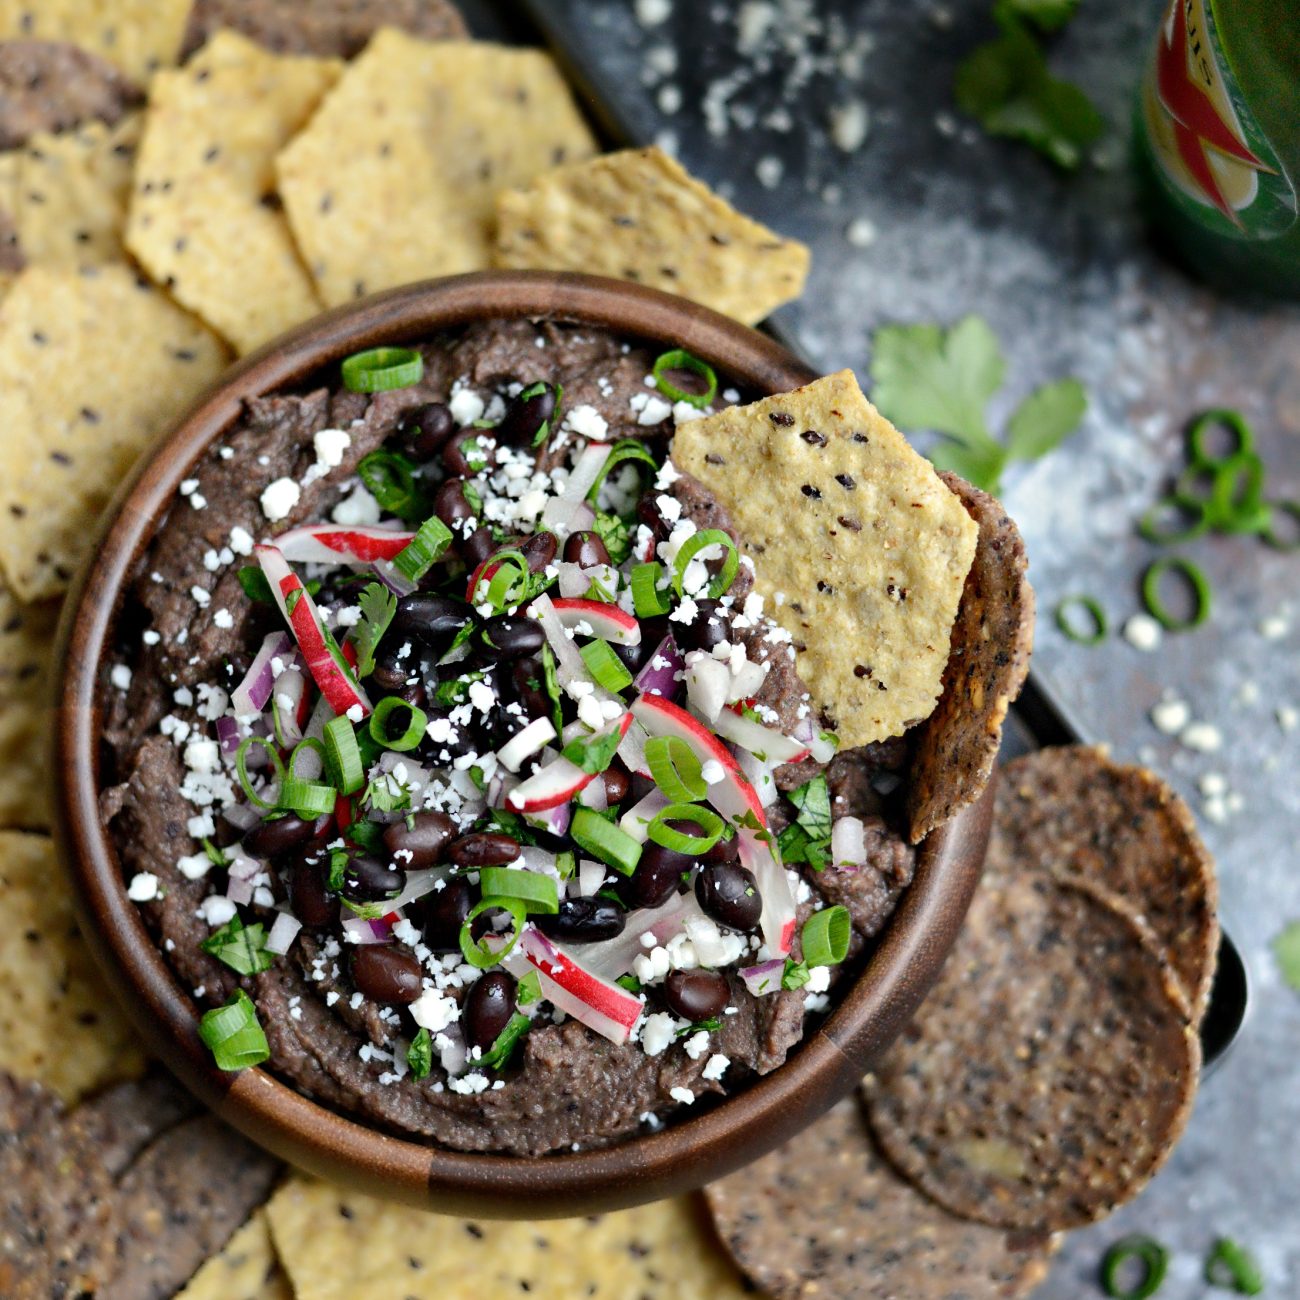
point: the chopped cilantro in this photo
(795, 975)
(1286, 949)
(813, 800)
(386, 794)
(497, 1057)
(241, 947)
(616, 534)
(593, 754)
(255, 585)
(378, 605)
(452, 692)
(711, 1026)
(215, 855)
(926, 378)
(419, 1056)
(529, 989)
(629, 982)
(338, 865)
(364, 834)
(512, 824)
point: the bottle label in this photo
(1207, 144)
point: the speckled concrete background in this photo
(926, 220)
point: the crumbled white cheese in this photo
(657, 1032)
(194, 866)
(241, 541)
(466, 406)
(849, 123)
(697, 1044)
(434, 1011)
(716, 1066)
(217, 910)
(143, 887)
(121, 677)
(357, 510)
(331, 446)
(684, 1095)
(860, 232)
(1143, 632)
(279, 498)
(1171, 716)
(1204, 737)
(587, 422)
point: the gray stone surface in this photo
(1060, 268)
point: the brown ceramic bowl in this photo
(825, 1066)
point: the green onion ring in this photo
(1223, 419)
(705, 818)
(1195, 579)
(1235, 497)
(377, 370)
(1149, 524)
(344, 756)
(537, 892)
(1100, 625)
(605, 666)
(473, 950)
(1153, 1257)
(1233, 1268)
(698, 542)
(308, 799)
(676, 769)
(678, 359)
(1271, 535)
(233, 1034)
(512, 569)
(388, 478)
(622, 452)
(648, 600)
(603, 840)
(826, 936)
(241, 769)
(418, 556)
(414, 728)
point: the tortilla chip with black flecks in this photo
(26, 710)
(246, 1269)
(53, 85)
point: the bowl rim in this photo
(821, 1069)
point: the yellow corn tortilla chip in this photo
(94, 364)
(139, 36)
(247, 1269)
(859, 548)
(58, 1023)
(26, 653)
(337, 1245)
(71, 191)
(396, 177)
(639, 215)
(199, 221)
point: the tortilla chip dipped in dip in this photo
(472, 734)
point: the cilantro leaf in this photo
(255, 585)
(419, 1056)
(813, 800)
(241, 947)
(616, 534)
(1046, 15)
(378, 605)
(795, 975)
(1045, 419)
(1286, 948)
(1006, 84)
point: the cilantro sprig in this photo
(242, 947)
(808, 837)
(378, 605)
(929, 378)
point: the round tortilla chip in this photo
(51, 86)
(825, 1216)
(1076, 812)
(1052, 1069)
(339, 28)
(988, 658)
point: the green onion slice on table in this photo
(1141, 1255)
(1243, 439)
(234, 1035)
(1068, 618)
(1233, 1268)
(1193, 578)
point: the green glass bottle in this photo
(1217, 139)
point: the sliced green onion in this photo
(389, 478)
(1232, 421)
(376, 370)
(309, 799)
(698, 542)
(566, 863)
(529, 989)
(1152, 1258)
(415, 724)
(317, 747)
(1235, 498)
(551, 682)
(343, 756)
(1279, 541)
(497, 1057)
(233, 1034)
(705, 818)
(241, 769)
(538, 893)
(1065, 620)
(477, 952)
(603, 840)
(428, 545)
(605, 666)
(826, 936)
(681, 360)
(1151, 528)
(648, 600)
(1233, 1268)
(1196, 581)
(629, 449)
(508, 584)
(676, 769)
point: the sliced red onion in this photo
(242, 867)
(613, 957)
(708, 684)
(242, 816)
(659, 674)
(499, 787)
(250, 696)
(287, 697)
(361, 930)
(396, 582)
(758, 739)
(283, 932)
(229, 734)
(555, 821)
(848, 843)
(564, 517)
(765, 977)
(636, 821)
(239, 890)
(534, 858)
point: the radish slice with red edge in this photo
(586, 470)
(777, 920)
(330, 669)
(611, 958)
(556, 783)
(764, 742)
(605, 621)
(342, 544)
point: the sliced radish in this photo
(599, 1003)
(555, 821)
(708, 684)
(763, 742)
(524, 744)
(342, 543)
(289, 701)
(777, 920)
(759, 774)
(586, 470)
(564, 517)
(848, 843)
(330, 670)
(250, 696)
(556, 783)
(569, 664)
(605, 621)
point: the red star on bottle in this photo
(1198, 125)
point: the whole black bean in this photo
(725, 850)
(653, 631)
(707, 629)
(450, 503)
(483, 849)
(527, 678)
(444, 912)
(514, 635)
(431, 618)
(393, 669)
(412, 693)
(696, 994)
(617, 782)
(419, 844)
(469, 451)
(368, 880)
(656, 878)
(488, 1007)
(386, 974)
(526, 414)
(427, 429)
(583, 920)
(477, 546)
(729, 894)
(539, 549)
(585, 548)
(308, 895)
(277, 835)
(648, 513)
